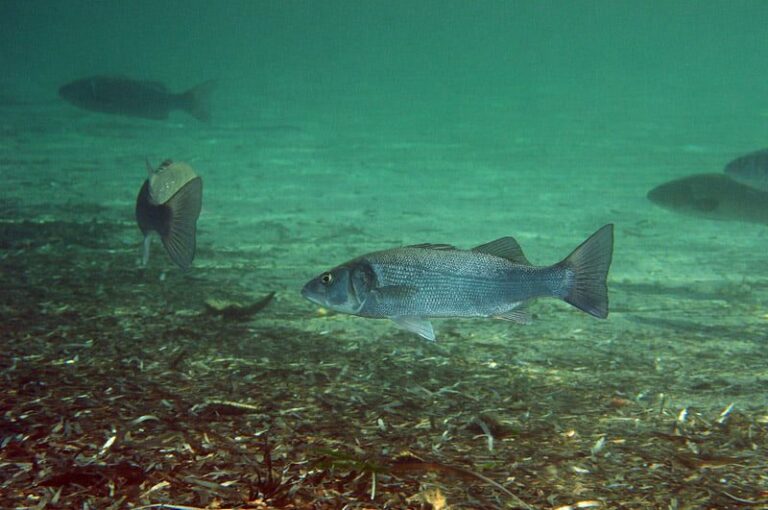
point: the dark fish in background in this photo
(712, 196)
(169, 203)
(750, 170)
(148, 99)
(412, 284)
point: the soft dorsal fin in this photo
(506, 248)
(433, 246)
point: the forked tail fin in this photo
(197, 101)
(590, 263)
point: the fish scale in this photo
(454, 282)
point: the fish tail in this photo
(590, 263)
(179, 233)
(197, 100)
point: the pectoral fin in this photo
(394, 292)
(418, 325)
(145, 252)
(180, 232)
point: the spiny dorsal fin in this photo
(433, 246)
(506, 248)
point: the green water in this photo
(341, 128)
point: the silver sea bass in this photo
(412, 284)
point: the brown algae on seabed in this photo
(277, 413)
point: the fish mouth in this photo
(307, 294)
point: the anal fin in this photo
(519, 314)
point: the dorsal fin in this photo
(433, 246)
(506, 248)
(150, 170)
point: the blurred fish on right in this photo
(712, 196)
(750, 170)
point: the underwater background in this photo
(340, 128)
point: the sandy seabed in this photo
(123, 389)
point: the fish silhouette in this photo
(147, 99)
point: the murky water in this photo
(341, 128)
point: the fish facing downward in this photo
(147, 99)
(169, 203)
(413, 284)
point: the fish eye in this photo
(326, 278)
